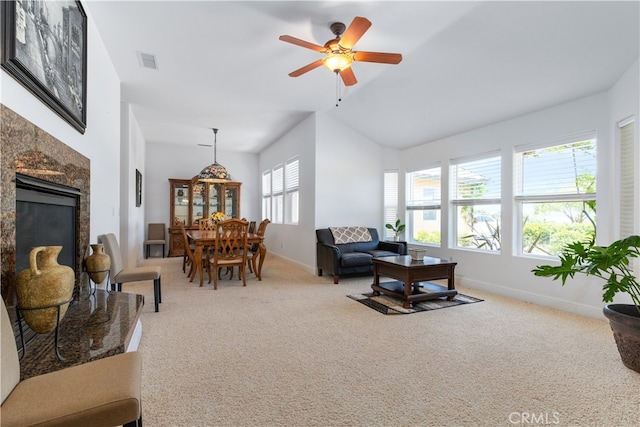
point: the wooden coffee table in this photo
(411, 275)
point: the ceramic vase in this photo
(98, 263)
(43, 287)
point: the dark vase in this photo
(624, 320)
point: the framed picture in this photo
(138, 188)
(44, 47)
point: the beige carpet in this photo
(292, 350)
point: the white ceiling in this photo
(465, 64)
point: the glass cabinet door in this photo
(231, 207)
(199, 206)
(214, 199)
(180, 194)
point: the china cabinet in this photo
(191, 200)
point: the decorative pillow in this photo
(350, 234)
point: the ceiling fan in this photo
(339, 53)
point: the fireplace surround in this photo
(28, 150)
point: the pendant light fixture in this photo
(215, 172)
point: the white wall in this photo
(132, 158)
(101, 141)
(623, 103)
(295, 242)
(349, 177)
(505, 273)
(340, 184)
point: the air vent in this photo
(147, 60)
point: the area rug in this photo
(389, 305)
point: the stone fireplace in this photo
(26, 150)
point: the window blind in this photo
(277, 184)
(291, 175)
(266, 183)
(423, 189)
(476, 179)
(559, 172)
(627, 180)
(390, 196)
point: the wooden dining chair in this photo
(253, 253)
(205, 224)
(230, 249)
(185, 257)
(190, 254)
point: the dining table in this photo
(204, 238)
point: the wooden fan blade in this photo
(352, 34)
(348, 77)
(385, 58)
(298, 42)
(306, 68)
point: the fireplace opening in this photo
(46, 215)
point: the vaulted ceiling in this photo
(465, 64)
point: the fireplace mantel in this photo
(27, 149)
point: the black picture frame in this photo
(44, 48)
(138, 188)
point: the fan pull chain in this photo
(337, 87)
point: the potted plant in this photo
(398, 228)
(610, 263)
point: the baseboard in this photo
(543, 300)
(293, 261)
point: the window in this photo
(277, 194)
(292, 192)
(423, 195)
(281, 192)
(475, 200)
(627, 178)
(390, 201)
(555, 193)
(266, 194)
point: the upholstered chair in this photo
(119, 275)
(105, 392)
(155, 236)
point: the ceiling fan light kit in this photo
(337, 62)
(339, 55)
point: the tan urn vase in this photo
(98, 263)
(44, 284)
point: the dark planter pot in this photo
(624, 320)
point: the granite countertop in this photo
(95, 326)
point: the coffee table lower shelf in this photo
(420, 291)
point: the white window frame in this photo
(277, 194)
(485, 243)
(565, 196)
(292, 191)
(415, 202)
(390, 201)
(266, 194)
